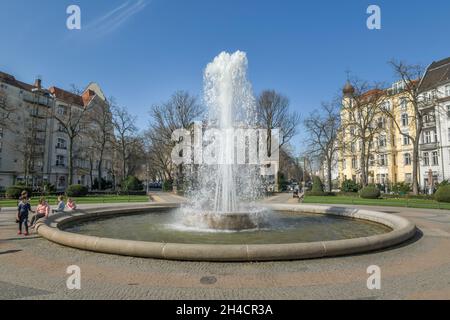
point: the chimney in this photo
(38, 82)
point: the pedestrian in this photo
(22, 214)
(42, 210)
(61, 205)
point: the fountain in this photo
(221, 220)
(218, 202)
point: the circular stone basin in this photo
(281, 227)
(292, 232)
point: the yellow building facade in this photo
(389, 152)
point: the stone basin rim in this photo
(402, 230)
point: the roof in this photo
(9, 79)
(61, 94)
(66, 96)
(438, 72)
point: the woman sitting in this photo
(42, 210)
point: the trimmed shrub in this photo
(317, 185)
(443, 194)
(320, 194)
(350, 186)
(443, 183)
(77, 190)
(317, 188)
(401, 188)
(370, 192)
(14, 192)
(167, 185)
(132, 184)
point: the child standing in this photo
(22, 214)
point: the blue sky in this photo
(141, 51)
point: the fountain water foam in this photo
(223, 188)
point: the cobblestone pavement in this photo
(34, 268)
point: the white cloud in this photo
(113, 19)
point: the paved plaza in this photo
(34, 268)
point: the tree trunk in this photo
(99, 169)
(363, 165)
(330, 184)
(415, 160)
(70, 161)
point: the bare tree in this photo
(101, 132)
(410, 76)
(180, 111)
(72, 118)
(362, 122)
(6, 110)
(125, 130)
(322, 127)
(273, 113)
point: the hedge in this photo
(370, 192)
(14, 192)
(77, 190)
(443, 194)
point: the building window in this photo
(61, 144)
(406, 141)
(61, 128)
(62, 182)
(383, 160)
(403, 104)
(382, 141)
(382, 123)
(407, 158)
(408, 177)
(447, 91)
(448, 111)
(427, 137)
(435, 158)
(353, 147)
(354, 163)
(352, 131)
(448, 134)
(371, 160)
(426, 158)
(61, 110)
(60, 160)
(405, 120)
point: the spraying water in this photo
(224, 186)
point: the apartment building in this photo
(435, 140)
(33, 142)
(390, 156)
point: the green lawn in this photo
(52, 200)
(409, 203)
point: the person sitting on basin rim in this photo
(61, 205)
(42, 210)
(71, 205)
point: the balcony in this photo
(429, 124)
(429, 146)
(426, 103)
